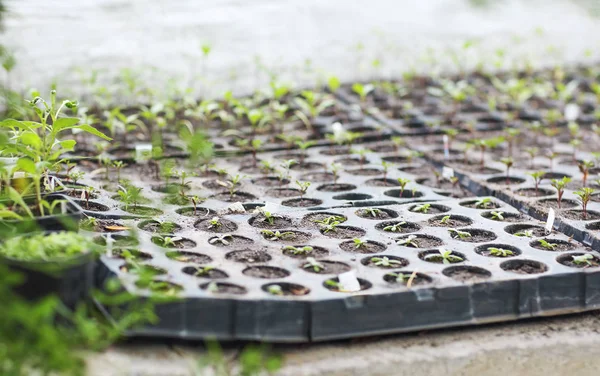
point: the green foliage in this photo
(39, 246)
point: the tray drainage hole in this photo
(199, 212)
(333, 284)
(118, 240)
(397, 227)
(384, 261)
(324, 266)
(339, 187)
(223, 288)
(285, 289)
(229, 240)
(506, 180)
(525, 230)
(304, 251)
(419, 241)
(353, 196)
(552, 245)
(403, 277)
(442, 256)
(524, 266)
(204, 271)
(498, 250)
(428, 208)
(302, 202)
(466, 273)
(357, 245)
(376, 213)
(266, 272)
(407, 193)
(579, 260)
(471, 235)
(196, 258)
(248, 256)
(450, 220)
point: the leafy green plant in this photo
(224, 239)
(423, 208)
(484, 203)
(500, 252)
(559, 185)
(546, 244)
(409, 241)
(303, 186)
(584, 167)
(275, 290)
(537, 178)
(396, 227)
(457, 234)
(304, 250)
(358, 243)
(373, 212)
(585, 195)
(214, 223)
(497, 215)
(362, 90)
(524, 233)
(445, 256)
(254, 360)
(130, 196)
(445, 219)
(277, 235)
(313, 264)
(508, 162)
(385, 262)
(585, 259)
(402, 182)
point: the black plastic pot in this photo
(70, 279)
(67, 220)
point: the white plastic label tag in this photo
(446, 146)
(550, 220)
(447, 172)
(349, 282)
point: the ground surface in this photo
(113, 34)
(549, 346)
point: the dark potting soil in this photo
(366, 247)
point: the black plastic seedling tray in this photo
(478, 289)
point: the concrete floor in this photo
(568, 345)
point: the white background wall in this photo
(50, 38)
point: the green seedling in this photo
(166, 241)
(330, 219)
(386, 166)
(305, 250)
(584, 167)
(585, 195)
(313, 264)
(508, 162)
(403, 278)
(497, 215)
(130, 196)
(445, 219)
(559, 185)
(221, 238)
(359, 243)
(585, 260)
(524, 233)
(303, 185)
(423, 208)
(385, 262)
(484, 203)
(203, 271)
(445, 256)
(362, 153)
(329, 227)
(335, 170)
(275, 290)
(537, 178)
(277, 235)
(533, 151)
(214, 223)
(500, 252)
(362, 90)
(457, 234)
(409, 241)
(195, 201)
(403, 182)
(373, 212)
(545, 244)
(396, 227)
